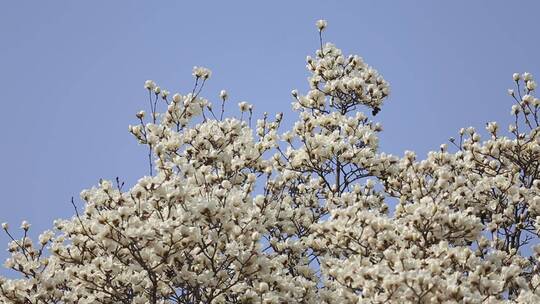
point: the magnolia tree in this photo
(235, 213)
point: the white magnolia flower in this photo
(201, 72)
(25, 225)
(321, 24)
(244, 106)
(176, 98)
(164, 94)
(149, 84)
(223, 95)
(531, 85)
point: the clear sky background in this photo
(72, 74)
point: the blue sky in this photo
(72, 75)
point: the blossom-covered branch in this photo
(241, 211)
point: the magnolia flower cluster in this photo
(341, 83)
(235, 212)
